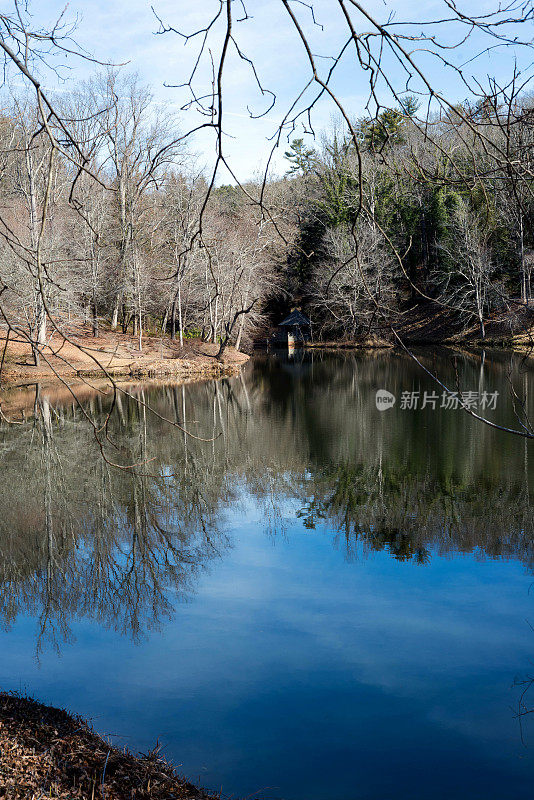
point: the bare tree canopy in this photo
(414, 197)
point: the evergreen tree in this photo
(300, 157)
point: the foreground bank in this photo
(46, 752)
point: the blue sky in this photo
(124, 31)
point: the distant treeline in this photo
(404, 210)
(365, 224)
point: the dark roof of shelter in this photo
(296, 318)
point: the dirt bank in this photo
(48, 753)
(117, 354)
(428, 323)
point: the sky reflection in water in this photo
(350, 613)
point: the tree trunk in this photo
(240, 333)
(94, 310)
(180, 324)
(165, 321)
(524, 288)
(40, 321)
(222, 347)
(115, 314)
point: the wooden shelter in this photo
(294, 329)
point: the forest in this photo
(370, 222)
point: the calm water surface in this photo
(322, 602)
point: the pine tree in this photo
(300, 157)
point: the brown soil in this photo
(428, 323)
(48, 753)
(83, 355)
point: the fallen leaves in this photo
(48, 753)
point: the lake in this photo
(297, 594)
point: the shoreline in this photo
(69, 366)
(78, 378)
(50, 752)
(80, 355)
(427, 324)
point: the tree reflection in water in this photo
(79, 537)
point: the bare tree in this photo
(467, 273)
